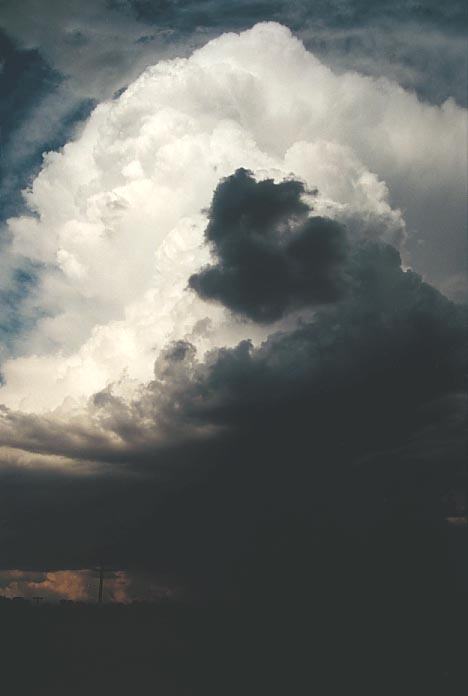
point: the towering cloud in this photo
(317, 381)
(116, 225)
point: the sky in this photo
(233, 280)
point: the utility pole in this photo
(101, 583)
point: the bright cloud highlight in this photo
(118, 216)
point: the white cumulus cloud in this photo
(117, 216)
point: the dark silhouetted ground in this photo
(350, 622)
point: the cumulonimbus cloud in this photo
(117, 222)
(141, 419)
(368, 344)
(367, 390)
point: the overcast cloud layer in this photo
(222, 314)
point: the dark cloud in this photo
(344, 432)
(271, 257)
(360, 367)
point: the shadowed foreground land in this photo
(363, 628)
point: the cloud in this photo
(359, 400)
(402, 48)
(271, 256)
(82, 585)
(371, 343)
(116, 225)
(368, 349)
(63, 57)
(95, 45)
(99, 42)
(147, 425)
(66, 584)
(89, 50)
(75, 53)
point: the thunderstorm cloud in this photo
(229, 325)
